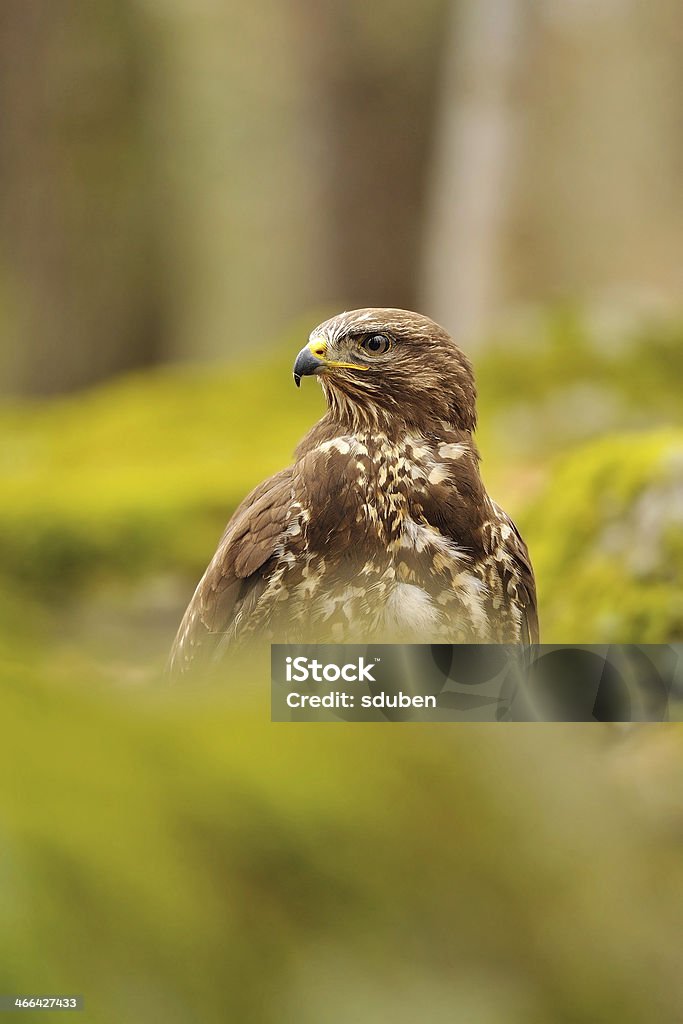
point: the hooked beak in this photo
(309, 360)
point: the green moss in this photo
(606, 542)
(567, 375)
(175, 857)
(142, 473)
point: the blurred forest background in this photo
(185, 190)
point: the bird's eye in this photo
(375, 344)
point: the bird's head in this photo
(392, 366)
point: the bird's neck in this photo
(392, 436)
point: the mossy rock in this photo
(607, 542)
(564, 375)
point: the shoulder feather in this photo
(236, 572)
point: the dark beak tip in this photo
(306, 365)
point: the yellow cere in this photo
(318, 347)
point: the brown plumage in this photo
(381, 529)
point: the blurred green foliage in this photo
(142, 473)
(568, 373)
(174, 857)
(607, 541)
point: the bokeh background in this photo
(185, 190)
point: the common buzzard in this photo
(381, 529)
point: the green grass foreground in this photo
(172, 856)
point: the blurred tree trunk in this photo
(474, 158)
(77, 300)
(557, 168)
(237, 195)
(373, 71)
(597, 210)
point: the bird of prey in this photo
(381, 529)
